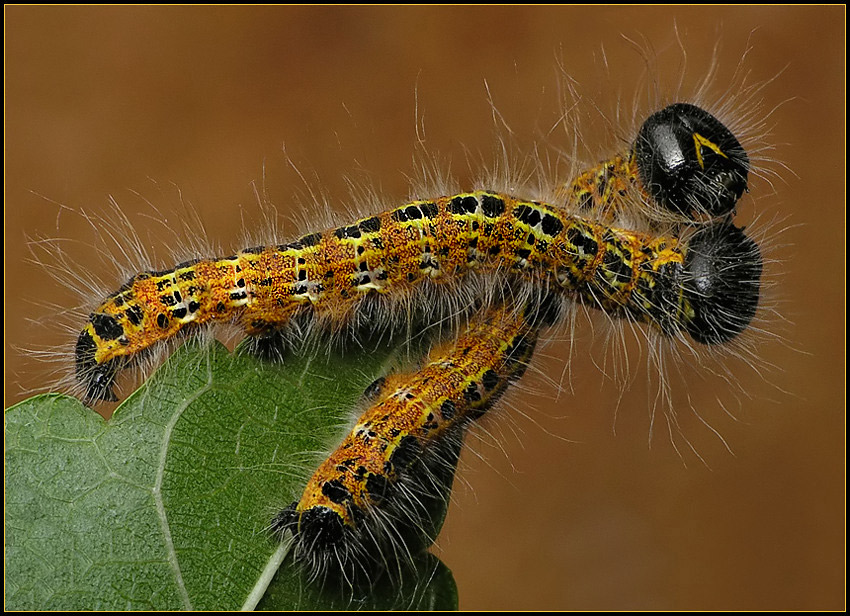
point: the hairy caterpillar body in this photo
(333, 277)
(384, 469)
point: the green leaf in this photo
(166, 505)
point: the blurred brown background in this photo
(119, 101)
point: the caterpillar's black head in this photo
(689, 162)
(97, 379)
(722, 277)
(321, 528)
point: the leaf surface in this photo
(166, 505)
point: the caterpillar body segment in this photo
(374, 488)
(605, 189)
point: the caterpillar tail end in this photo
(723, 270)
(96, 378)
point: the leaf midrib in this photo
(157, 492)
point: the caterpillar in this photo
(518, 262)
(205, 135)
(399, 459)
(340, 277)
